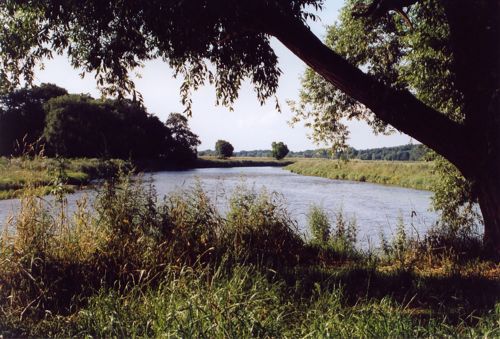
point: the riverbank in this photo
(208, 162)
(417, 175)
(179, 269)
(46, 174)
(211, 162)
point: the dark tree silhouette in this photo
(223, 149)
(279, 150)
(22, 116)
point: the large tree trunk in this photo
(489, 201)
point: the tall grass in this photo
(130, 264)
(418, 175)
(333, 240)
(31, 171)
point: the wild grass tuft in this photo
(333, 240)
(259, 229)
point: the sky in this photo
(250, 126)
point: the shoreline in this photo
(414, 175)
(45, 174)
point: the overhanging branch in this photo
(378, 8)
(397, 108)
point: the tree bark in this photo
(489, 202)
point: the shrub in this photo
(344, 237)
(260, 229)
(319, 225)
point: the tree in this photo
(113, 37)
(398, 59)
(80, 126)
(22, 116)
(223, 149)
(76, 126)
(279, 149)
(184, 141)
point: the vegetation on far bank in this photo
(397, 153)
(418, 175)
(17, 173)
(132, 266)
(207, 161)
(45, 174)
(79, 126)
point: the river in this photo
(376, 208)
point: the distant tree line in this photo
(396, 153)
(400, 153)
(77, 125)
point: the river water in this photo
(376, 208)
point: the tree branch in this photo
(377, 8)
(397, 108)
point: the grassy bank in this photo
(134, 266)
(47, 174)
(207, 162)
(418, 175)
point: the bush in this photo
(319, 225)
(344, 237)
(259, 229)
(279, 150)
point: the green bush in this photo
(260, 229)
(319, 225)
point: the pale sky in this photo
(250, 126)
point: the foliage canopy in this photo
(76, 125)
(223, 149)
(279, 150)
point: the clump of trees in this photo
(77, 125)
(223, 149)
(22, 116)
(279, 150)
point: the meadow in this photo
(418, 175)
(133, 265)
